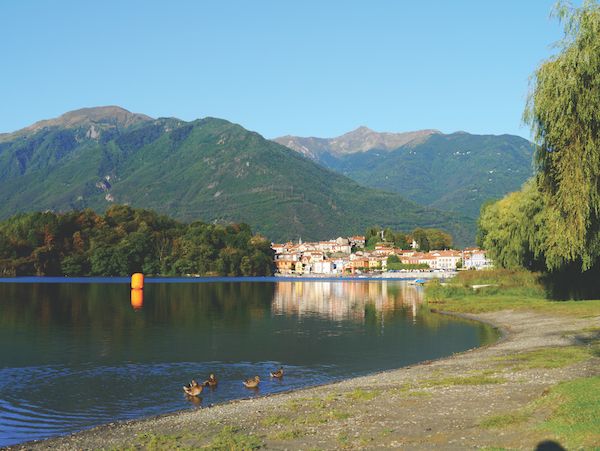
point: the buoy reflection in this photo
(137, 291)
(137, 299)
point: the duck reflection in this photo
(253, 389)
(195, 400)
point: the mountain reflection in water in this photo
(77, 355)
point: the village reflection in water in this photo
(342, 301)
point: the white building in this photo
(475, 258)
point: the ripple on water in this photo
(38, 402)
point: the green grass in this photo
(399, 390)
(121, 448)
(360, 395)
(576, 415)
(516, 289)
(158, 441)
(502, 421)
(340, 415)
(315, 418)
(230, 439)
(276, 420)
(164, 442)
(343, 439)
(293, 405)
(548, 357)
(477, 379)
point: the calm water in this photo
(77, 355)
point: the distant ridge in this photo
(456, 172)
(362, 139)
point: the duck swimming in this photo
(193, 389)
(211, 382)
(277, 373)
(251, 383)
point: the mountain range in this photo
(209, 169)
(454, 172)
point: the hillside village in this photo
(347, 255)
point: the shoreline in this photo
(408, 275)
(405, 407)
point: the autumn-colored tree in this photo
(125, 240)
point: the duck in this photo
(193, 389)
(211, 382)
(251, 383)
(277, 373)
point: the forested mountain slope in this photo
(208, 169)
(456, 172)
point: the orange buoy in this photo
(137, 281)
(137, 299)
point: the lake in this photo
(92, 351)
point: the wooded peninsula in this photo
(126, 240)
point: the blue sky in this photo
(303, 68)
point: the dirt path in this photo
(422, 407)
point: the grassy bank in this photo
(575, 417)
(490, 291)
(574, 420)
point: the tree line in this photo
(126, 240)
(430, 239)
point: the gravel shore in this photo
(412, 408)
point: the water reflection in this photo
(339, 301)
(75, 355)
(194, 400)
(137, 299)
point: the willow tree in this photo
(513, 229)
(563, 110)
